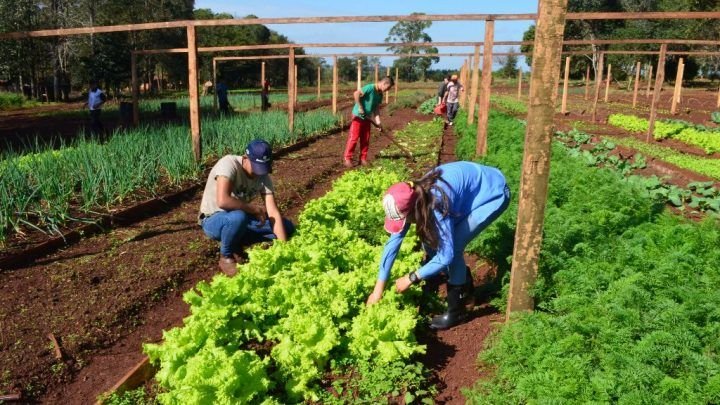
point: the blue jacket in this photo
(469, 186)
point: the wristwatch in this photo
(414, 279)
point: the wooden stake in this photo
(678, 85)
(682, 76)
(520, 73)
(536, 156)
(484, 105)
(566, 79)
(359, 74)
(637, 84)
(262, 75)
(135, 90)
(598, 82)
(649, 80)
(587, 83)
(215, 96)
(295, 87)
(397, 83)
(607, 82)
(193, 93)
(474, 85)
(318, 83)
(718, 100)
(291, 90)
(335, 85)
(387, 93)
(659, 79)
(56, 346)
(377, 73)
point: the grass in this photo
(12, 101)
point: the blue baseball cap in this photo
(260, 154)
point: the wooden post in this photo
(587, 83)
(334, 85)
(484, 104)
(649, 80)
(520, 73)
(295, 87)
(387, 93)
(397, 83)
(215, 96)
(193, 93)
(637, 83)
(563, 108)
(291, 90)
(718, 100)
(536, 157)
(359, 74)
(682, 76)
(607, 83)
(318, 83)
(678, 85)
(659, 79)
(377, 73)
(262, 74)
(474, 85)
(598, 82)
(135, 90)
(466, 83)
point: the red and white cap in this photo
(399, 199)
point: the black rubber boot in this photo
(468, 295)
(456, 311)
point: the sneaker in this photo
(347, 163)
(450, 123)
(228, 265)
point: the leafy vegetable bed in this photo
(698, 135)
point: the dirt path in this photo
(105, 296)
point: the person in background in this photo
(365, 114)
(449, 206)
(226, 213)
(96, 99)
(222, 95)
(441, 89)
(451, 98)
(265, 96)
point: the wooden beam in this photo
(659, 79)
(335, 86)
(135, 90)
(637, 83)
(598, 82)
(566, 79)
(355, 19)
(194, 98)
(587, 82)
(474, 85)
(536, 156)
(607, 82)
(649, 80)
(676, 89)
(291, 91)
(484, 102)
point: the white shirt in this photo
(95, 99)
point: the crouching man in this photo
(226, 212)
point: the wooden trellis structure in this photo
(551, 18)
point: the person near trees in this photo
(449, 206)
(451, 98)
(222, 95)
(226, 213)
(441, 89)
(96, 99)
(265, 96)
(365, 113)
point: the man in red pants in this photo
(365, 114)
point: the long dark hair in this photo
(425, 203)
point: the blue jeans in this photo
(466, 229)
(452, 109)
(233, 228)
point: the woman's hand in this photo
(402, 284)
(373, 298)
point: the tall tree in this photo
(509, 64)
(412, 68)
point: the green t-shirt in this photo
(371, 98)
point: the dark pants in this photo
(452, 109)
(96, 126)
(235, 228)
(264, 102)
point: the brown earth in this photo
(104, 296)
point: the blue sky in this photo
(376, 32)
